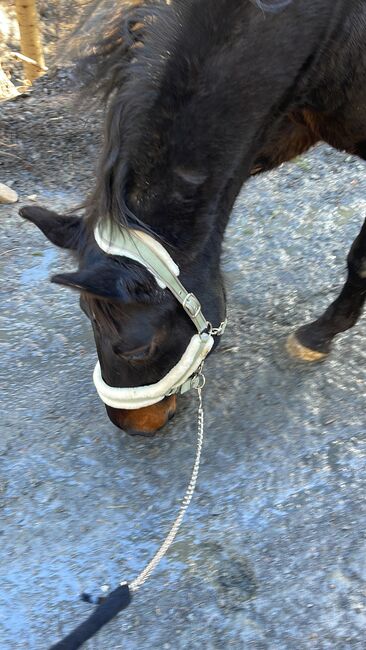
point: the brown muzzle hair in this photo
(145, 421)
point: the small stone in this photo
(7, 195)
(32, 197)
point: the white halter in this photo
(143, 248)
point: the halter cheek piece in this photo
(186, 374)
(143, 248)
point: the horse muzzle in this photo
(144, 421)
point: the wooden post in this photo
(30, 38)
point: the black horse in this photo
(202, 94)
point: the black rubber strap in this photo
(117, 600)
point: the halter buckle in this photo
(192, 305)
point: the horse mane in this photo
(126, 69)
(123, 70)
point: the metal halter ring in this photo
(199, 381)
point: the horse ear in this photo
(127, 285)
(59, 229)
(98, 281)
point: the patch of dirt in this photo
(45, 139)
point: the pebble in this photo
(7, 195)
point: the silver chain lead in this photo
(151, 566)
(143, 576)
(218, 331)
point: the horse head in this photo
(140, 330)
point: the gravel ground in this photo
(272, 553)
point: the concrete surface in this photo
(273, 551)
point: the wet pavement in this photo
(272, 554)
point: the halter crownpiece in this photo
(143, 248)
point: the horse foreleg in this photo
(312, 342)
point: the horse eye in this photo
(137, 354)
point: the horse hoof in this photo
(298, 351)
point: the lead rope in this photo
(144, 575)
(120, 598)
(109, 606)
